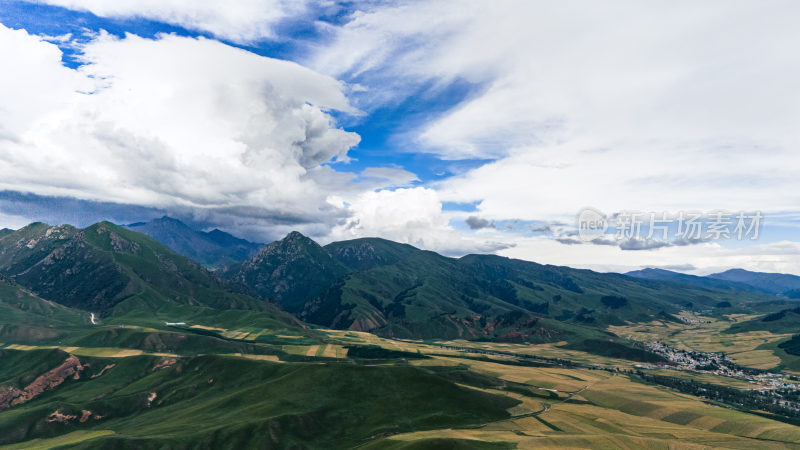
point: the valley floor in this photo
(586, 401)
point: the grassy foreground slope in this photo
(420, 396)
(230, 402)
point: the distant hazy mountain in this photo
(398, 290)
(775, 283)
(676, 277)
(213, 249)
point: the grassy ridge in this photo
(26, 318)
(399, 291)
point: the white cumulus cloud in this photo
(241, 21)
(409, 215)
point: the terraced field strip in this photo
(553, 350)
(68, 439)
(271, 358)
(561, 381)
(103, 352)
(296, 349)
(235, 334)
(242, 334)
(108, 352)
(203, 327)
(28, 347)
(702, 378)
(254, 334)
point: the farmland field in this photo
(749, 349)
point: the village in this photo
(721, 365)
(779, 389)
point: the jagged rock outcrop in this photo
(291, 271)
(11, 396)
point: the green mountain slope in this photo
(482, 296)
(784, 321)
(289, 271)
(26, 318)
(396, 290)
(113, 272)
(775, 283)
(366, 253)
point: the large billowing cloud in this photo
(240, 21)
(171, 122)
(411, 215)
(621, 105)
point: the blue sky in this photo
(455, 126)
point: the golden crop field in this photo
(105, 352)
(598, 409)
(592, 408)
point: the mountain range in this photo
(370, 284)
(774, 283)
(734, 279)
(397, 290)
(213, 249)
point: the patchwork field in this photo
(242, 334)
(322, 350)
(597, 409)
